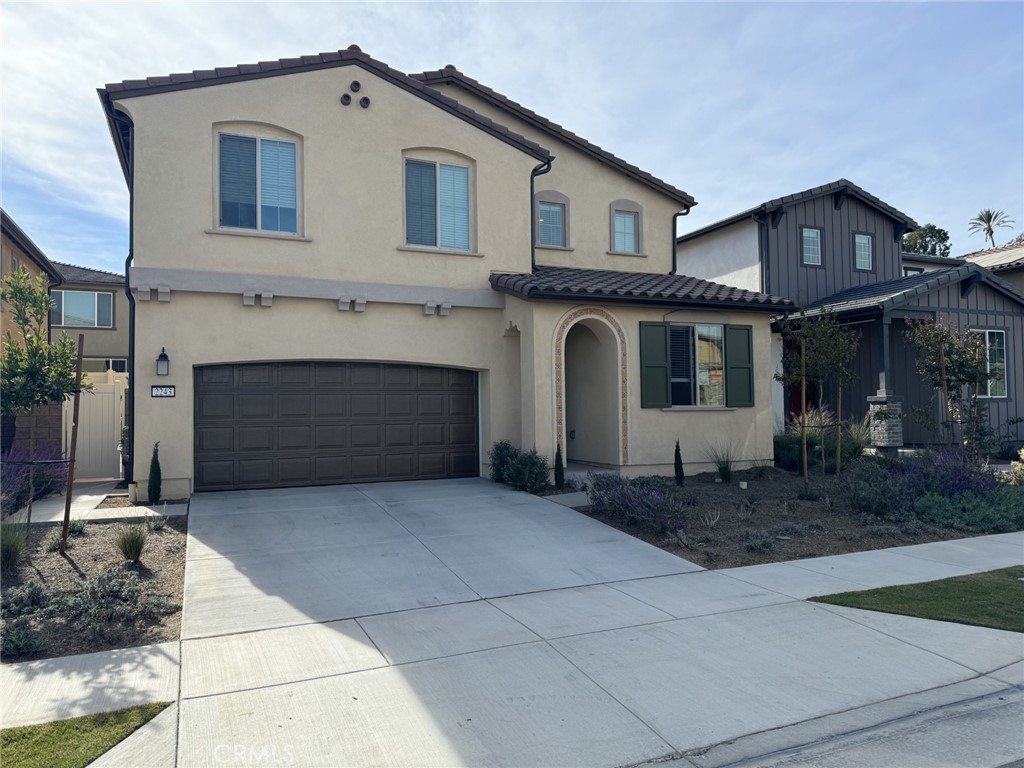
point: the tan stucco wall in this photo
(199, 329)
(591, 187)
(102, 342)
(652, 432)
(352, 181)
(591, 394)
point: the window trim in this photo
(821, 247)
(553, 197)
(988, 365)
(437, 159)
(96, 310)
(258, 131)
(695, 391)
(913, 271)
(107, 361)
(626, 206)
(871, 239)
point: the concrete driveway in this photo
(460, 623)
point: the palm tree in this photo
(986, 222)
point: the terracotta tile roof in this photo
(73, 274)
(452, 75)
(807, 194)
(607, 287)
(894, 293)
(351, 56)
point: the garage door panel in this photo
(285, 424)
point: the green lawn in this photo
(992, 599)
(71, 743)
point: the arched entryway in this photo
(591, 393)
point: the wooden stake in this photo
(803, 406)
(839, 428)
(74, 446)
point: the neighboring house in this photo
(1007, 261)
(93, 302)
(837, 247)
(336, 261)
(17, 250)
(919, 263)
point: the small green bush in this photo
(154, 484)
(528, 473)
(999, 511)
(130, 541)
(758, 542)
(502, 456)
(20, 639)
(12, 545)
(559, 468)
(654, 505)
(53, 541)
(723, 457)
(25, 599)
(76, 527)
(156, 522)
(677, 465)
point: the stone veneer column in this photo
(886, 419)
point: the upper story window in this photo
(437, 205)
(863, 251)
(82, 309)
(626, 225)
(810, 246)
(551, 210)
(259, 181)
(995, 355)
(911, 271)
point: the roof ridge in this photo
(93, 269)
(449, 71)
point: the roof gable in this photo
(893, 294)
(352, 56)
(451, 75)
(17, 235)
(841, 186)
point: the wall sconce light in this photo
(163, 363)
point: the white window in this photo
(995, 356)
(437, 212)
(102, 365)
(810, 246)
(82, 309)
(697, 364)
(551, 225)
(626, 227)
(911, 271)
(863, 247)
(258, 184)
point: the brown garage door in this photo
(284, 424)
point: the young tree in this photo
(956, 365)
(929, 240)
(34, 371)
(986, 222)
(818, 349)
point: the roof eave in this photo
(539, 294)
(23, 241)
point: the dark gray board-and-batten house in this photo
(837, 247)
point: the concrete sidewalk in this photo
(86, 496)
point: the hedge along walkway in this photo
(993, 599)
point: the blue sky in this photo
(922, 104)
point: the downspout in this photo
(49, 292)
(129, 469)
(540, 170)
(675, 244)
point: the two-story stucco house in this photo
(93, 302)
(837, 248)
(341, 273)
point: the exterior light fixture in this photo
(163, 363)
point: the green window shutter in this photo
(655, 379)
(739, 366)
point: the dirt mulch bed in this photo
(769, 523)
(118, 502)
(93, 553)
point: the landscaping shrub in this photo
(76, 527)
(999, 511)
(155, 480)
(559, 468)
(105, 606)
(1017, 470)
(12, 545)
(652, 504)
(156, 522)
(20, 639)
(130, 541)
(759, 542)
(677, 465)
(529, 472)
(48, 478)
(856, 438)
(25, 599)
(787, 451)
(872, 489)
(502, 456)
(723, 457)
(52, 543)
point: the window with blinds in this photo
(258, 184)
(437, 205)
(551, 227)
